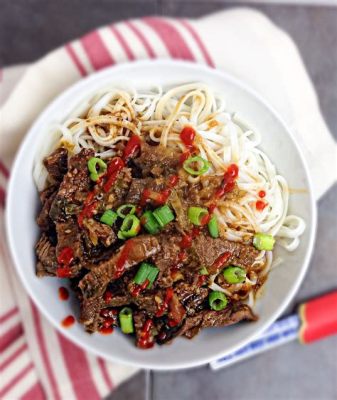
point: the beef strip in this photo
(176, 311)
(74, 187)
(204, 190)
(138, 185)
(98, 232)
(192, 297)
(147, 301)
(180, 207)
(208, 250)
(46, 256)
(232, 314)
(47, 196)
(166, 258)
(69, 235)
(157, 160)
(95, 282)
(117, 193)
(56, 164)
(89, 313)
(47, 264)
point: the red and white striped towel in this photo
(36, 362)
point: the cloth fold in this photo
(36, 361)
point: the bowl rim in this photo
(81, 84)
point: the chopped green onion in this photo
(150, 223)
(217, 300)
(263, 241)
(234, 274)
(108, 217)
(213, 227)
(203, 271)
(126, 320)
(142, 273)
(163, 215)
(196, 214)
(196, 159)
(152, 276)
(130, 207)
(145, 272)
(93, 163)
(130, 227)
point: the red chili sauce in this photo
(68, 321)
(145, 341)
(64, 259)
(63, 293)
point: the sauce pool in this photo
(68, 321)
(260, 205)
(63, 293)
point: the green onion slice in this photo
(129, 208)
(204, 165)
(195, 214)
(145, 272)
(152, 276)
(263, 241)
(213, 227)
(234, 274)
(203, 271)
(142, 273)
(217, 301)
(96, 167)
(130, 227)
(150, 223)
(108, 217)
(163, 215)
(126, 320)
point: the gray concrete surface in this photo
(292, 372)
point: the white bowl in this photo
(283, 282)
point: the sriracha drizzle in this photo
(120, 264)
(132, 147)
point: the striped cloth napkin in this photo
(36, 361)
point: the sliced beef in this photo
(157, 160)
(138, 249)
(43, 220)
(204, 190)
(156, 185)
(46, 256)
(232, 314)
(192, 297)
(56, 164)
(98, 232)
(180, 207)
(117, 193)
(89, 313)
(176, 312)
(69, 235)
(167, 258)
(136, 189)
(75, 186)
(208, 250)
(147, 301)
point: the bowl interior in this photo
(277, 142)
